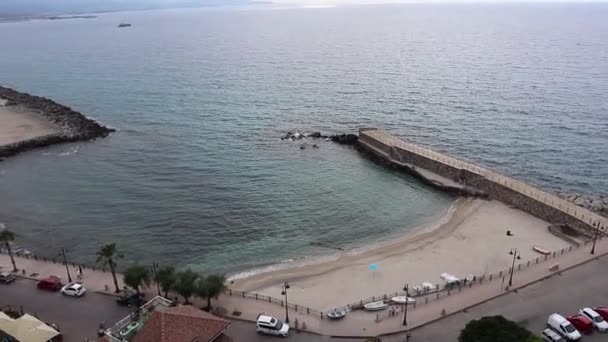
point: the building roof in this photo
(182, 324)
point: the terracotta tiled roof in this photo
(182, 324)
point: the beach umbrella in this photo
(373, 267)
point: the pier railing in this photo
(580, 213)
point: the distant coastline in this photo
(32, 121)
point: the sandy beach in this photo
(20, 124)
(471, 240)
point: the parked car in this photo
(73, 290)
(598, 321)
(558, 323)
(52, 283)
(6, 277)
(130, 298)
(551, 336)
(603, 311)
(271, 326)
(581, 323)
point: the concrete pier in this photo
(523, 196)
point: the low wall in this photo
(515, 193)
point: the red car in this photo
(582, 323)
(51, 283)
(603, 311)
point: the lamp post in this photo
(284, 293)
(516, 255)
(595, 235)
(155, 268)
(407, 294)
(65, 262)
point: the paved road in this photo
(76, 317)
(245, 332)
(586, 285)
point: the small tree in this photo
(136, 276)
(494, 329)
(216, 284)
(185, 284)
(165, 276)
(6, 237)
(107, 256)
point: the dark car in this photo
(51, 283)
(581, 323)
(130, 298)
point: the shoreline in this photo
(386, 241)
(424, 234)
(62, 123)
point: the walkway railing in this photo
(580, 213)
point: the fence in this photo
(260, 297)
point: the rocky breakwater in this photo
(593, 202)
(344, 139)
(73, 125)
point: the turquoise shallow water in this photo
(196, 174)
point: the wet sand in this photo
(470, 240)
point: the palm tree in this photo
(165, 276)
(185, 283)
(215, 285)
(6, 237)
(136, 276)
(107, 255)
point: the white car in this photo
(271, 326)
(73, 290)
(598, 321)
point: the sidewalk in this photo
(357, 323)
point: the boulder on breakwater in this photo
(73, 125)
(345, 139)
(593, 202)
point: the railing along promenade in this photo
(580, 213)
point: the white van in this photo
(271, 326)
(558, 323)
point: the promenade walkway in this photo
(548, 199)
(357, 323)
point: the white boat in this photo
(450, 279)
(541, 250)
(337, 313)
(402, 300)
(375, 306)
(428, 286)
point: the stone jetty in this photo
(73, 126)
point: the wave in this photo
(66, 152)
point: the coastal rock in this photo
(73, 125)
(594, 202)
(315, 135)
(345, 139)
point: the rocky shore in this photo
(593, 202)
(344, 139)
(73, 125)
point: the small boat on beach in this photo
(375, 306)
(124, 25)
(541, 250)
(402, 300)
(337, 313)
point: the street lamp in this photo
(595, 235)
(65, 262)
(284, 293)
(516, 255)
(407, 294)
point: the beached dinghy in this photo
(541, 250)
(402, 300)
(375, 306)
(337, 313)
